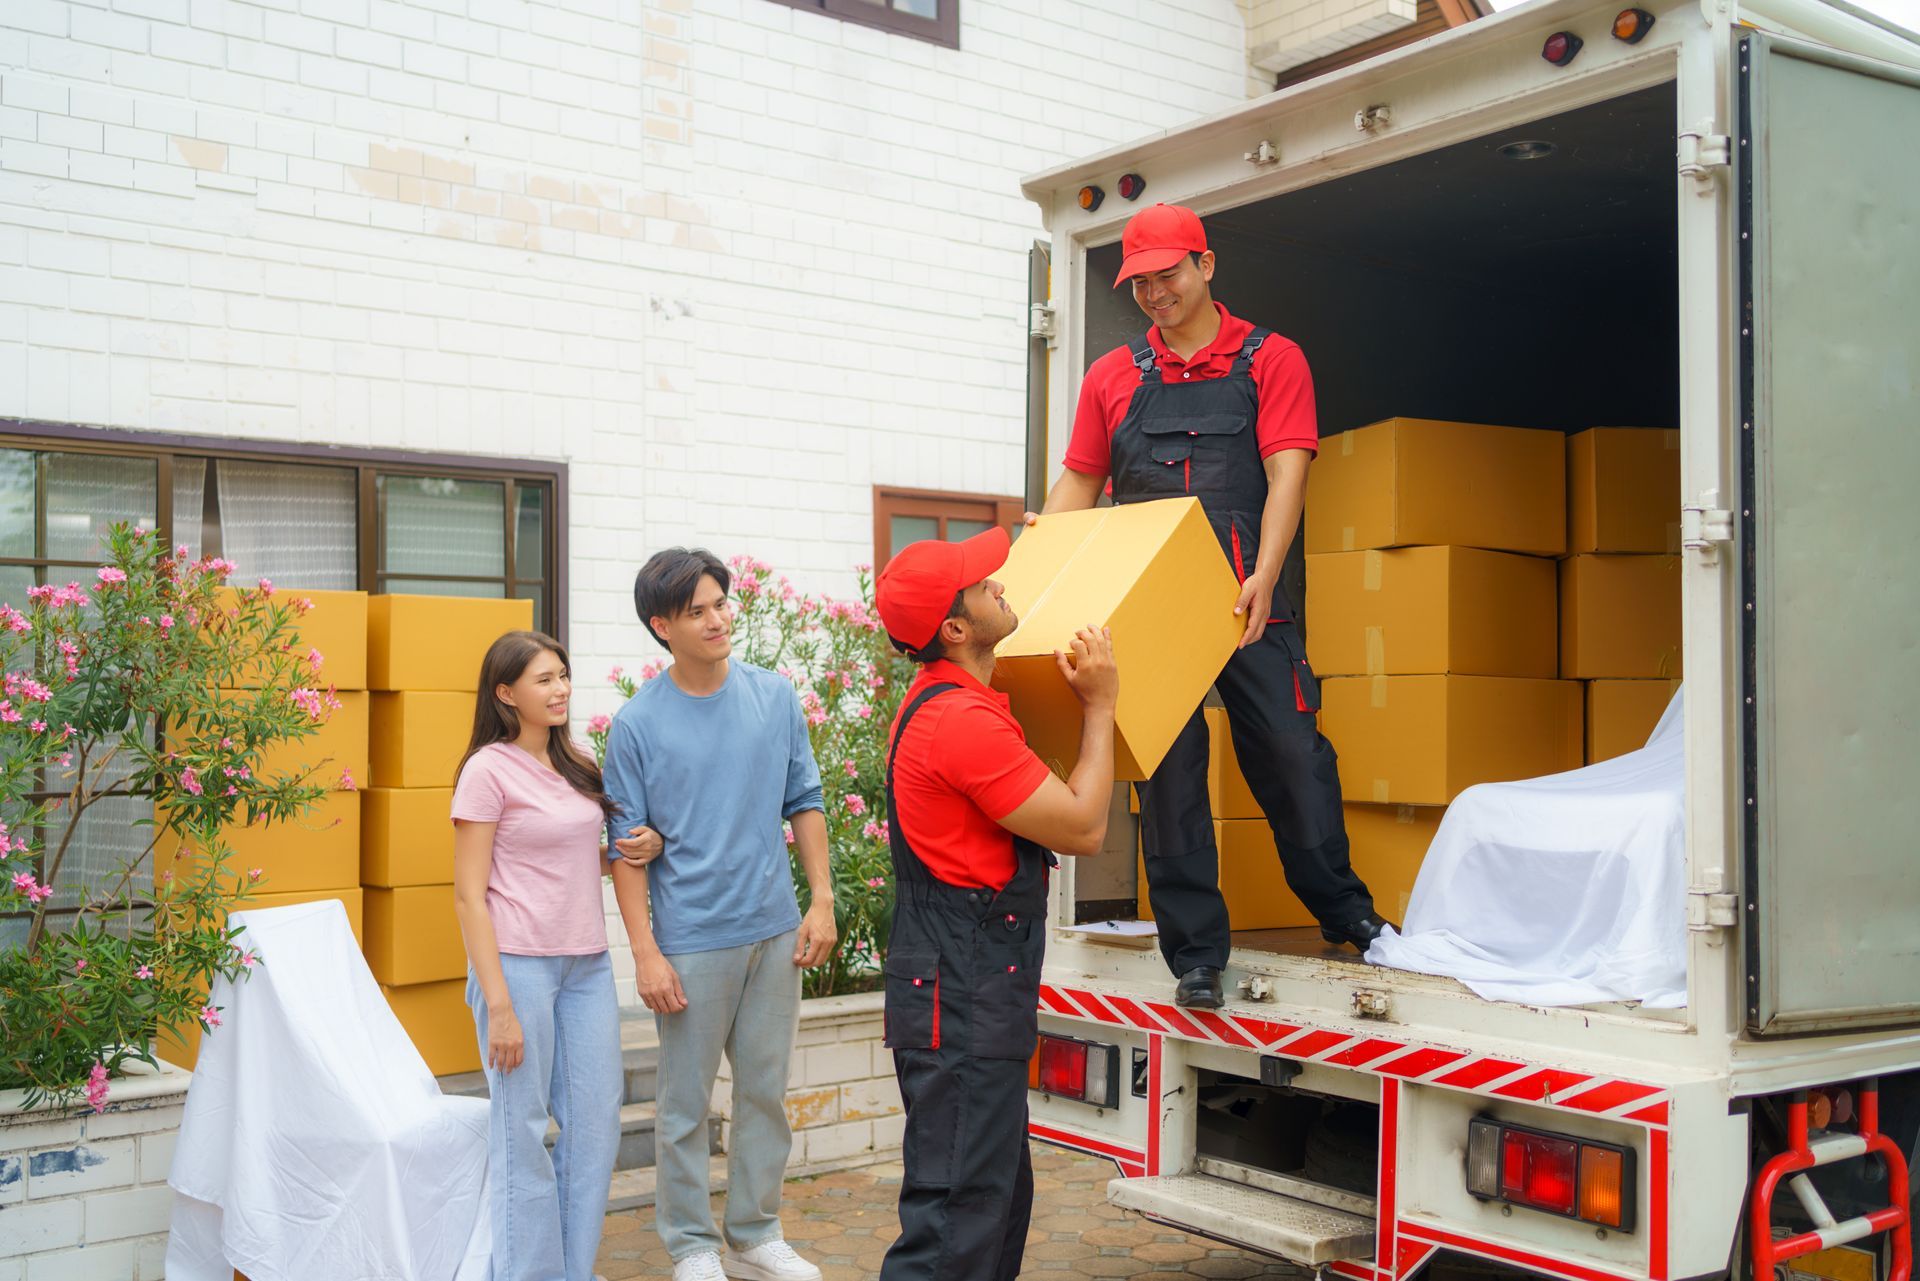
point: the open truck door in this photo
(1828, 531)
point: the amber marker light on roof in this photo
(1632, 25)
(1090, 198)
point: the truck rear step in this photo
(1227, 1209)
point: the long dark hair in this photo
(496, 722)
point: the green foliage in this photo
(151, 681)
(850, 683)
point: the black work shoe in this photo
(1360, 933)
(1200, 986)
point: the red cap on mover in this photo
(916, 589)
(1157, 237)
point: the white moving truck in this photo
(1721, 231)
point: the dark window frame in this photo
(368, 464)
(937, 504)
(943, 30)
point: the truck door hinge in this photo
(1042, 322)
(1701, 151)
(1704, 527)
(1708, 910)
(1264, 154)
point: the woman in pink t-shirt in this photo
(528, 808)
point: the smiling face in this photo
(703, 631)
(542, 693)
(1178, 295)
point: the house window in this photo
(934, 20)
(308, 518)
(902, 516)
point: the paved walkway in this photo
(844, 1222)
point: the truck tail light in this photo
(1068, 1068)
(1554, 1173)
(1561, 48)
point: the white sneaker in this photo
(704, 1266)
(774, 1261)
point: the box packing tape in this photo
(1373, 570)
(1380, 794)
(1377, 693)
(1405, 814)
(1346, 442)
(1376, 652)
(1346, 538)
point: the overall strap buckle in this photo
(1143, 359)
(1244, 361)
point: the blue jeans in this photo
(547, 1209)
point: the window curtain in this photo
(296, 524)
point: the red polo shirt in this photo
(963, 766)
(1285, 420)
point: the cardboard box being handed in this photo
(1153, 573)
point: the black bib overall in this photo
(1198, 438)
(962, 1016)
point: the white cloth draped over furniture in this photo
(1564, 890)
(316, 1144)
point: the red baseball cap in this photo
(1157, 237)
(916, 589)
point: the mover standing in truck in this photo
(971, 814)
(1209, 405)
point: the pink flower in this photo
(650, 670)
(346, 781)
(865, 713)
(8, 714)
(97, 1088)
(80, 966)
(817, 717)
(245, 960)
(190, 780)
(600, 724)
(64, 760)
(253, 874)
(871, 831)
(166, 622)
(210, 1016)
(183, 551)
(108, 575)
(266, 587)
(144, 972)
(13, 620)
(852, 770)
(23, 882)
(615, 673)
(856, 803)
(789, 834)
(315, 660)
(876, 882)
(231, 790)
(38, 727)
(864, 567)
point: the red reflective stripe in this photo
(1300, 694)
(1239, 568)
(936, 1009)
(1186, 475)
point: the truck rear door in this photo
(1828, 531)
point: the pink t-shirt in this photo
(544, 890)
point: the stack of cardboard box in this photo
(1431, 617)
(1620, 581)
(423, 665)
(316, 856)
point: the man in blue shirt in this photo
(704, 763)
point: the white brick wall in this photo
(85, 1197)
(735, 262)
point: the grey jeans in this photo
(743, 1002)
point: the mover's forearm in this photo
(1286, 499)
(1092, 779)
(1074, 491)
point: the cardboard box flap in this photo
(1155, 574)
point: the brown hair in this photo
(496, 722)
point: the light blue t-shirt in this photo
(715, 776)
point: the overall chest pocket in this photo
(1192, 425)
(1005, 1023)
(912, 1015)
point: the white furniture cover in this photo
(316, 1144)
(1564, 890)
